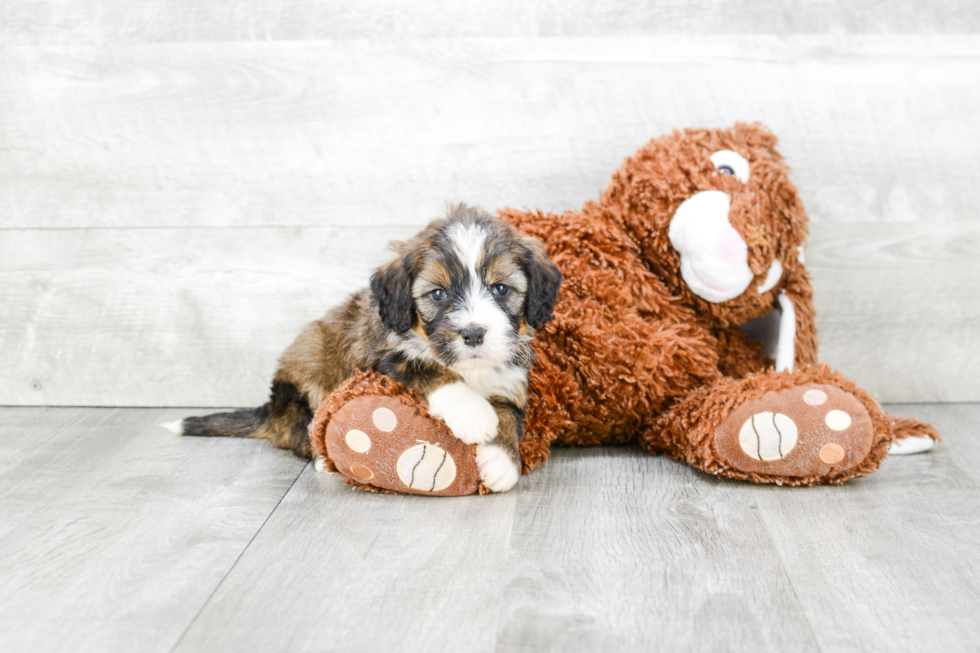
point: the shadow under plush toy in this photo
(700, 233)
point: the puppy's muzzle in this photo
(473, 336)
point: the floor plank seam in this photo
(495, 648)
(792, 585)
(237, 560)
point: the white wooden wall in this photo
(184, 184)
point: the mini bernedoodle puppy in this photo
(451, 317)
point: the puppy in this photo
(451, 317)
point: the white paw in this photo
(468, 415)
(177, 427)
(497, 471)
(911, 445)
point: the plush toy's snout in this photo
(715, 261)
(714, 258)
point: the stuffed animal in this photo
(696, 244)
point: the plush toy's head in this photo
(715, 215)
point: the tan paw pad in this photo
(357, 440)
(832, 453)
(815, 397)
(806, 431)
(386, 443)
(767, 436)
(837, 420)
(361, 472)
(427, 467)
(384, 419)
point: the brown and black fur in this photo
(371, 331)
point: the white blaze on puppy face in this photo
(469, 241)
(478, 307)
(714, 258)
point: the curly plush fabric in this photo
(647, 347)
(629, 337)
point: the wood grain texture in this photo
(897, 307)
(109, 21)
(117, 536)
(344, 570)
(336, 159)
(877, 128)
(198, 317)
(166, 317)
(115, 532)
(869, 556)
(619, 551)
(610, 549)
(962, 421)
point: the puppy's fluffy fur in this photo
(450, 317)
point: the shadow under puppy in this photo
(450, 317)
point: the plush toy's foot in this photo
(807, 427)
(387, 442)
(811, 430)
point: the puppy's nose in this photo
(473, 336)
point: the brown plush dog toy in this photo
(699, 233)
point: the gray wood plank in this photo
(115, 532)
(961, 422)
(617, 550)
(611, 549)
(890, 560)
(877, 128)
(175, 317)
(117, 536)
(897, 307)
(198, 317)
(343, 570)
(108, 21)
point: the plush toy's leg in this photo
(796, 428)
(378, 434)
(912, 436)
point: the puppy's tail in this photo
(244, 423)
(283, 421)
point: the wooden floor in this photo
(117, 536)
(184, 184)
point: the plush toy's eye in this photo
(438, 294)
(500, 290)
(731, 164)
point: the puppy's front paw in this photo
(497, 470)
(469, 416)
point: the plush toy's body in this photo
(700, 232)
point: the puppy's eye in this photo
(726, 170)
(438, 294)
(500, 290)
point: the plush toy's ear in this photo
(392, 287)
(543, 281)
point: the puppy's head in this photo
(467, 288)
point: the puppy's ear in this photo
(392, 287)
(543, 281)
